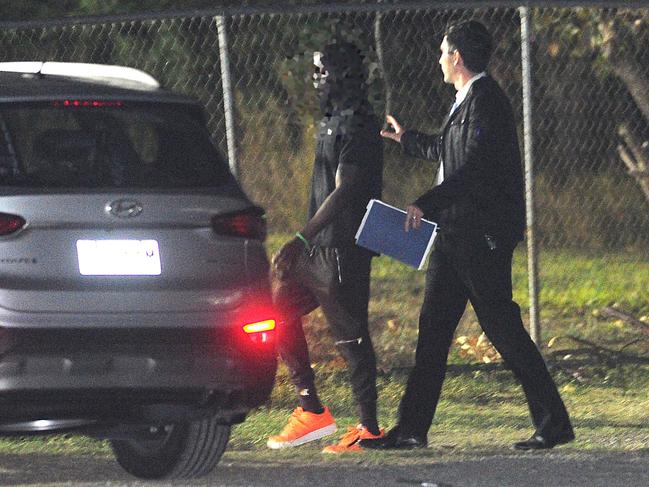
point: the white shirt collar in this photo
(461, 94)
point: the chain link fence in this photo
(590, 100)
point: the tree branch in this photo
(634, 157)
(627, 318)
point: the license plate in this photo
(119, 257)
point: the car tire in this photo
(176, 451)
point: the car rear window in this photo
(96, 144)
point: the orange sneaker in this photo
(349, 441)
(303, 427)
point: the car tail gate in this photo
(126, 252)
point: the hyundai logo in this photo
(124, 208)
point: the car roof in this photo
(28, 87)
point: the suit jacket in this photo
(483, 189)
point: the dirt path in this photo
(427, 469)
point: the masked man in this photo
(322, 266)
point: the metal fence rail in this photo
(251, 68)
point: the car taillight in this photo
(260, 332)
(250, 223)
(10, 223)
(87, 103)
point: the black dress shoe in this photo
(395, 440)
(541, 442)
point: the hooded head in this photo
(340, 77)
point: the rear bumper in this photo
(131, 374)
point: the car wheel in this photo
(174, 451)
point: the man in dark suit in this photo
(478, 202)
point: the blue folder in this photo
(382, 231)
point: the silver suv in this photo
(134, 299)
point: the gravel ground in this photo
(555, 468)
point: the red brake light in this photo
(87, 103)
(250, 223)
(10, 223)
(260, 326)
(260, 332)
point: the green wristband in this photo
(304, 240)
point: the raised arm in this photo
(413, 143)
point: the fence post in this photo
(228, 96)
(532, 251)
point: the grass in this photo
(609, 411)
(608, 400)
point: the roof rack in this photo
(81, 70)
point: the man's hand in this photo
(284, 259)
(413, 217)
(398, 129)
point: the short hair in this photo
(474, 43)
